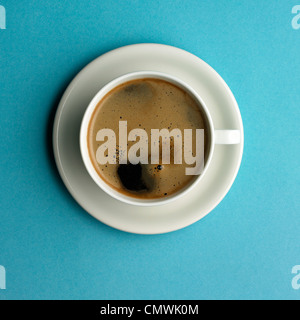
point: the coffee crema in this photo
(146, 104)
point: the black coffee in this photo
(145, 104)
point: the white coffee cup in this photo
(215, 137)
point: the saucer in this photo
(191, 207)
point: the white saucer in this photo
(184, 211)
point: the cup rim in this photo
(85, 124)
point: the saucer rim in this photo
(56, 127)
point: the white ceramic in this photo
(216, 136)
(224, 164)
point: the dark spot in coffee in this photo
(131, 177)
(139, 90)
(131, 88)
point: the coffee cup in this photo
(213, 136)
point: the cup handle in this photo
(227, 136)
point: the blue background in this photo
(244, 249)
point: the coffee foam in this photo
(146, 104)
